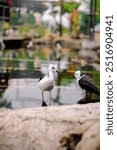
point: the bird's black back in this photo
(88, 84)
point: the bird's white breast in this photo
(78, 81)
(46, 84)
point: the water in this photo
(24, 93)
(22, 90)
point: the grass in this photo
(68, 79)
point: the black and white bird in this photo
(86, 83)
(47, 83)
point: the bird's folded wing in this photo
(86, 82)
(88, 79)
(41, 77)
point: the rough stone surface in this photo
(73, 127)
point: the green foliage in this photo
(22, 53)
(84, 23)
(23, 30)
(30, 65)
(26, 30)
(84, 19)
(69, 7)
(66, 81)
(31, 19)
(14, 17)
(98, 7)
(39, 53)
(98, 12)
(39, 30)
(96, 77)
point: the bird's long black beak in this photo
(59, 72)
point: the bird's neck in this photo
(80, 77)
(48, 11)
(50, 75)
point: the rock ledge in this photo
(73, 127)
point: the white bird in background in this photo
(65, 18)
(47, 83)
(48, 19)
(86, 83)
(84, 6)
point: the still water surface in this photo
(25, 93)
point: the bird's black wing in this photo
(88, 84)
(41, 77)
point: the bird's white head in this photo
(53, 68)
(77, 74)
(57, 9)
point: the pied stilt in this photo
(47, 83)
(86, 83)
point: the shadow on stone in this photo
(87, 100)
